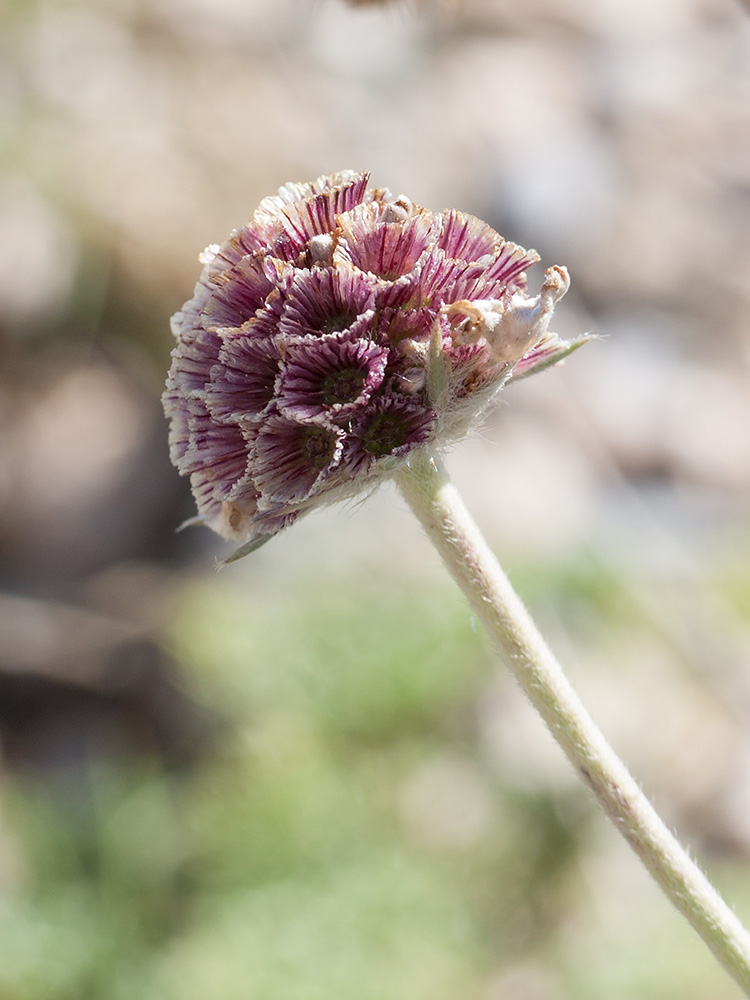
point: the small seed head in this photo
(331, 336)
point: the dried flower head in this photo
(332, 335)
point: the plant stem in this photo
(438, 506)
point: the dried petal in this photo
(237, 294)
(348, 186)
(327, 300)
(291, 459)
(329, 380)
(374, 241)
(464, 237)
(242, 383)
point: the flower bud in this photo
(334, 334)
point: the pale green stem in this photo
(439, 508)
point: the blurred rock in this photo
(77, 687)
(85, 474)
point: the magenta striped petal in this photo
(396, 325)
(443, 279)
(465, 237)
(291, 460)
(330, 379)
(506, 268)
(288, 223)
(326, 300)
(192, 361)
(242, 383)
(384, 248)
(220, 448)
(350, 183)
(238, 294)
(216, 461)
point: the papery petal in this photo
(186, 320)
(219, 450)
(216, 261)
(326, 300)
(289, 227)
(329, 379)
(473, 367)
(506, 267)
(265, 322)
(237, 294)
(385, 248)
(317, 214)
(241, 242)
(443, 279)
(291, 460)
(192, 361)
(396, 325)
(216, 460)
(465, 237)
(403, 293)
(177, 411)
(242, 383)
(351, 183)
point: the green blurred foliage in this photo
(289, 863)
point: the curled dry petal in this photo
(326, 381)
(237, 294)
(464, 237)
(292, 458)
(326, 300)
(383, 241)
(332, 335)
(241, 385)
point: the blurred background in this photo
(307, 776)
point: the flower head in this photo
(336, 332)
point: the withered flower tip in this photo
(337, 331)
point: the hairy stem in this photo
(439, 508)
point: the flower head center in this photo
(318, 446)
(337, 321)
(385, 433)
(342, 386)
